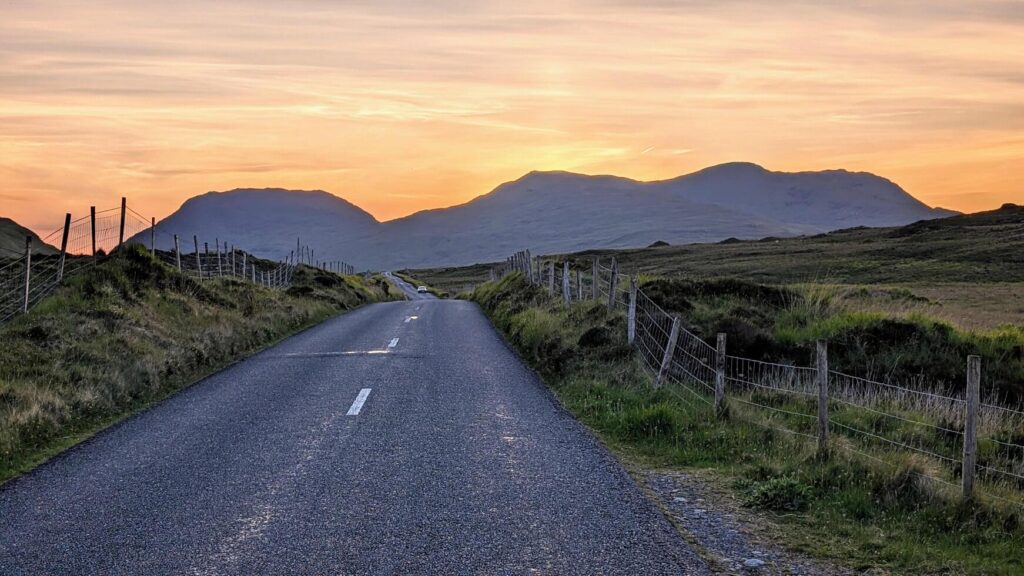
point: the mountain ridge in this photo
(556, 211)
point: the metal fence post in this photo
(631, 314)
(64, 247)
(973, 398)
(612, 285)
(199, 261)
(670, 349)
(720, 376)
(823, 377)
(28, 271)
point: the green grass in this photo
(868, 514)
(119, 337)
(404, 275)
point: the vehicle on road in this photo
(422, 290)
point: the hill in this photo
(12, 240)
(555, 212)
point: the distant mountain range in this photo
(554, 212)
(12, 240)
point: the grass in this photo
(131, 331)
(877, 512)
(404, 275)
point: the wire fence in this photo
(28, 276)
(968, 445)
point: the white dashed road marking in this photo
(358, 404)
(394, 342)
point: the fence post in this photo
(245, 263)
(92, 220)
(566, 288)
(579, 285)
(64, 246)
(152, 237)
(971, 425)
(720, 376)
(612, 285)
(551, 277)
(822, 357)
(595, 279)
(253, 267)
(670, 349)
(631, 314)
(177, 252)
(120, 236)
(220, 269)
(199, 260)
(28, 271)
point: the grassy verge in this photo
(132, 331)
(865, 513)
(404, 275)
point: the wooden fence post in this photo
(823, 377)
(64, 246)
(92, 220)
(579, 285)
(28, 271)
(551, 277)
(120, 236)
(566, 288)
(612, 285)
(177, 252)
(595, 279)
(529, 267)
(670, 349)
(152, 237)
(631, 314)
(973, 398)
(220, 268)
(253, 267)
(245, 262)
(199, 260)
(720, 376)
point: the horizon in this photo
(400, 107)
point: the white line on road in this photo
(358, 404)
(394, 342)
(411, 318)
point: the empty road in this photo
(401, 438)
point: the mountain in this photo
(12, 240)
(554, 212)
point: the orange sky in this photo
(404, 105)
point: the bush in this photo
(779, 494)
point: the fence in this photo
(27, 276)
(815, 404)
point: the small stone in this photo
(753, 563)
(679, 499)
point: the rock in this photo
(753, 563)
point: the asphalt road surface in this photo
(401, 438)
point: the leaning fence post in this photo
(612, 285)
(971, 425)
(92, 220)
(823, 376)
(199, 260)
(177, 252)
(28, 271)
(594, 281)
(720, 376)
(152, 236)
(64, 247)
(670, 348)
(120, 236)
(631, 314)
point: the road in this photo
(401, 438)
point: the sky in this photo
(399, 105)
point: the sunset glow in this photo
(399, 106)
